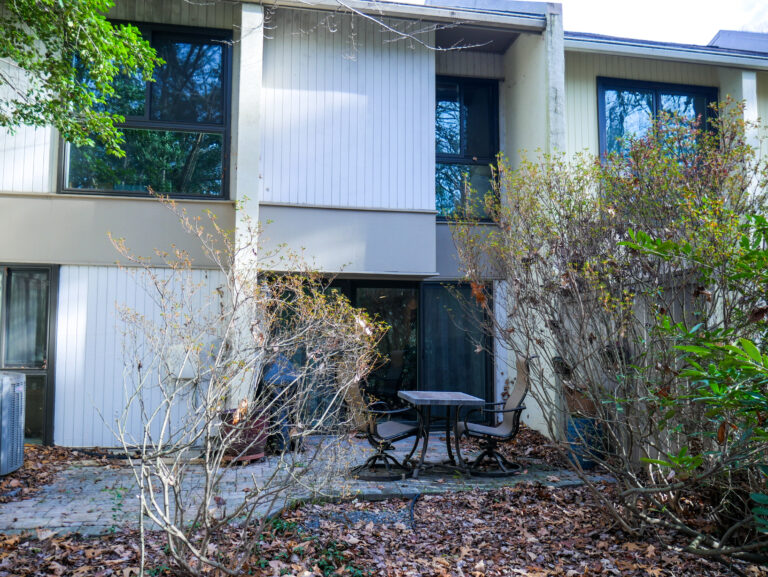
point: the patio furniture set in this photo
(382, 431)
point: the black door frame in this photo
(49, 370)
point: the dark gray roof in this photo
(755, 42)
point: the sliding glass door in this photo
(455, 347)
(435, 341)
(26, 305)
(398, 306)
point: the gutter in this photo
(679, 52)
(522, 21)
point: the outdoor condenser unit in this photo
(12, 389)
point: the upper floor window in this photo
(466, 140)
(176, 128)
(627, 108)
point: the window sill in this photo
(137, 197)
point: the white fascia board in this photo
(516, 21)
(699, 55)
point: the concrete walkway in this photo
(92, 499)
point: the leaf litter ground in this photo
(523, 530)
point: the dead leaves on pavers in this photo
(528, 530)
(39, 469)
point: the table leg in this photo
(451, 460)
(457, 440)
(425, 416)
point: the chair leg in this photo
(491, 463)
(413, 450)
(394, 469)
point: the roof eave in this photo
(694, 54)
(513, 20)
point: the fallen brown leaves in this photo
(526, 530)
(40, 466)
(116, 554)
(529, 447)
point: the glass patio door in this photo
(25, 332)
(455, 349)
(398, 306)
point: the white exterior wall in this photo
(348, 116)
(26, 154)
(89, 386)
(26, 160)
(762, 110)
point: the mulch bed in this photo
(40, 467)
(524, 530)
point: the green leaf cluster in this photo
(59, 65)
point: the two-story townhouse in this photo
(346, 135)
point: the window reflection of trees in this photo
(170, 162)
(629, 109)
(188, 88)
(175, 131)
(466, 141)
(448, 120)
(628, 114)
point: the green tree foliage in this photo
(45, 45)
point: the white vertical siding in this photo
(25, 153)
(177, 12)
(582, 70)
(469, 63)
(89, 386)
(348, 114)
(25, 160)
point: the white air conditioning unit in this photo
(12, 389)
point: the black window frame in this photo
(466, 158)
(657, 88)
(145, 122)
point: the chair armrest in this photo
(470, 412)
(387, 411)
(501, 411)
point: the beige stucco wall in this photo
(72, 229)
(355, 242)
(523, 96)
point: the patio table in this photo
(423, 401)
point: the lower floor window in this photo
(26, 302)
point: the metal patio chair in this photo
(376, 422)
(491, 463)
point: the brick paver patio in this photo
(93, 499)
